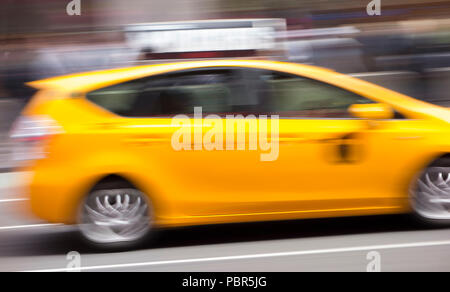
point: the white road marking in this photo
(13, 200)
(26, 226)
(254, 256)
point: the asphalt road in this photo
(27, 244)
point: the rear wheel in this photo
(115, 218)
(430, 196)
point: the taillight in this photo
(29, 134)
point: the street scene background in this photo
(406, 48)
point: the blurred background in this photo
(406, 48)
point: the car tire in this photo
(430, 194)
(115, 218)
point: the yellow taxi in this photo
(127, 151)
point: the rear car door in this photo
(198, 181)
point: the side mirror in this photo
(372, 111)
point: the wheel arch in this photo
(440, 162)
(445, 156)
(120, 180)
(421, 166)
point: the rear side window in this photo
(171, 94)
(118, 99)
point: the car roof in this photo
(88, 80)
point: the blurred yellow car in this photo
(100, 148)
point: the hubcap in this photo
(120, 215)
(432, 195)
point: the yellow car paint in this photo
(204, 187)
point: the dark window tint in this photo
(293, 96)
(119, 98)
(216, 91)
(226, 91)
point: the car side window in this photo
(293, 96)
(119, 98)
(216, 91)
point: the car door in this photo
(195, 179)
(328, 160)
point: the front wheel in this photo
(430, 195)
(115, 218)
